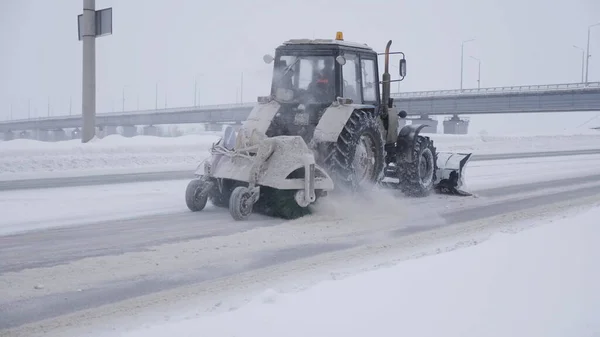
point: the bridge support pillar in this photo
(42, 135)
(150, 130)
(76, 133)
(107, 130)
(432, 124)
(25, 134)
(456, 126)
(213, 127)
(129, 131)
(58, 135)
(8, 135)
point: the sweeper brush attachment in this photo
(277, 176)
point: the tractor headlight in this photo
(343, 100)
(264, 99)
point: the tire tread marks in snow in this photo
(340, 160)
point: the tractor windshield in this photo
(304, 79)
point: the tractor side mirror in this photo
(341, 60)
(402, 67)
(268, 58)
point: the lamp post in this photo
(478, 71)
(582, 61)
(242, 89)
(587, 67)
(462, 57)
(195, 92)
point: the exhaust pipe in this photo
(385, 88)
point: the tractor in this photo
(329, 125)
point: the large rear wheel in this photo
(357, 158)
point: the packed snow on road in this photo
(540, 280)
(68, 206)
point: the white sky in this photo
(173, 42)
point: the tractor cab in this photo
(319, 71)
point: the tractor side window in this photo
(368, 79)
(351, 85)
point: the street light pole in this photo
(88, 103)
(462, 58)
(195, 91)
(242, 88)
(587, 67)
(478, 71)
(90, 25)
(582, 62)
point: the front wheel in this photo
(194, 198)
(241, 203)
(417, 178)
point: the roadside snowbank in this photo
(89, 204)
(539, 282)
(26, 159)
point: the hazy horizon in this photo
(173, 43)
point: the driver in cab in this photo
(323, 85)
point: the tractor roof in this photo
(338, 43)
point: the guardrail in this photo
(500, 90)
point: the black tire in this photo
(240, 205)
(340, 163)
(417, 178)
(194, 201)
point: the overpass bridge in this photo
(420, 106)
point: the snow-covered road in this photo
(137, 245)
(93, 204)
(512, 285)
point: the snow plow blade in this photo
(450, 173)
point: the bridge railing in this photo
(434, 93)
(499, 90)
(141, 112)
(183, 109)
